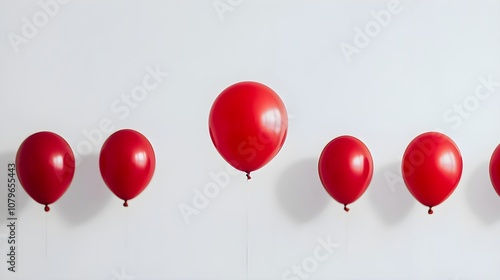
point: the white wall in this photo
(429, 57)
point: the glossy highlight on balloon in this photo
(248, 124)
(127, 163)
(45, 167)
(432, 168)
(345, 168)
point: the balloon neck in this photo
(125, 203)
(430, 211)
(47, 208)
(345, 208)
(248, 176)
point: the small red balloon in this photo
(495, 169)
(432, 168)
(45, 167)
(127, 163)
(345, 169)
(248, 125)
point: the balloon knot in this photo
(248, 176)
(125, 204)
(345, 208)
(47, 208)
(430, 211)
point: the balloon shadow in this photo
(389, 195)
(87, 194)
(481, 195)
(300, 192)
(21, 197)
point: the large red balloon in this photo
(432, 167)
(495, 169)
(127, 163)
(248, 124)
(345, 168)
(45, 167)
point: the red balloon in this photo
(495, 169)
(127, 163)
(248, 125)
(45, 167)
(345, 168)
(432, 167)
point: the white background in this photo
(428, 58)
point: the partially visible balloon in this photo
(45, 167)
(432, 168)
(345, 168)
(495, 169)
(127, 163)
(248, 125)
